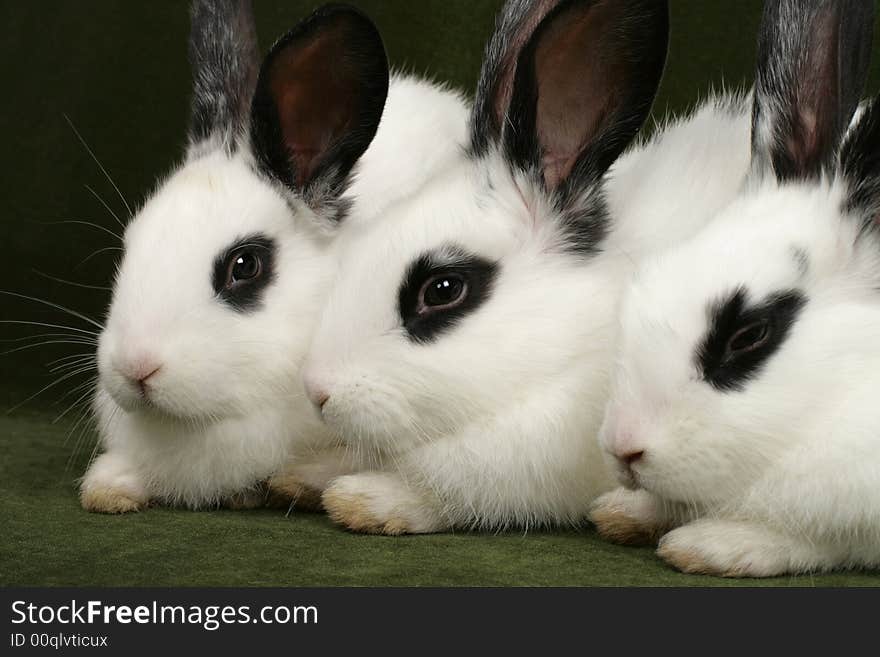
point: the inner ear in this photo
(514, 27)
(314, 103)
(584, 85)
(559, 64)
(815, 115)
(812, 64)
(319, 99)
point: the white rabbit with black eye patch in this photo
(456, 352)
(743, 417)
(226, 265)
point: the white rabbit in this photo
(466, 346)
(743, 418)
(225, 267)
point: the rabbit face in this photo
(214, 272)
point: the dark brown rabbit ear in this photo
(318, 101)
(812, 64)
(225, 60)
(860, 168)
(566, 85)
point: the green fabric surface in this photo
(118, 70)
(49, 540)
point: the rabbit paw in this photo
(109, 486)
(111, 500)
(246, 499)
(727, 549)
(627, 517)
(286, 491)
(379, 503)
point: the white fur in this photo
(793, 456)
(226, 408)
(492, 424)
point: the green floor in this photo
(48, 540)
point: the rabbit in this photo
(225, 266)
(454, 356)
(742, 418)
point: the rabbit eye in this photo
(243, 266)
(443, 291)
(742, 337)
(748, 338)
(442, 287)
(243, 271)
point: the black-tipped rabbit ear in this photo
(225, 60)
(566, 85)
(812, 64)
(318, 102)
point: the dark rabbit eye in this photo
(443, 291)
(243, 271)
(748, 338)
(243, 266)
(743, 337)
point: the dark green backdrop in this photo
(118, 70)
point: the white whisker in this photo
(74, 283)
(104, 203)
(100, 166)
(54, 383)
(44, 343)
(94, 253)
(56, 306)
(64, 222)
(45, 325)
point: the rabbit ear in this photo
(318, 101)
(225, 60)
(566, 85)
(860, 166)
(812, 64)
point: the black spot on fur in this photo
(742, 338)
(245, 295)
(424, 324)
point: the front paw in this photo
(628, 517)
(379, 503)
(726, 549)
(110, 500)
(110, 486)
(286, 491)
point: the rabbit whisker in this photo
(56, 306)
(43, 324)
(54, 383)
(94, 253)
(80, 222)
(74, 283)
(104, 203)
(95, 158)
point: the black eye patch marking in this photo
(243, 271)
(741, 339)
(440, 288)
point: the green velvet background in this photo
(118, 70)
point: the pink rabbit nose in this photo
(319, 398)
(631, 457)
(140, 372)
(141, 381)
(317, 394)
